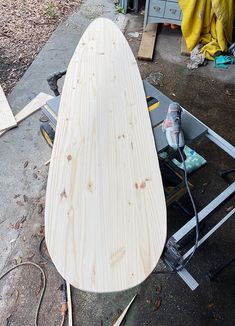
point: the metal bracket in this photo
(174, 259)
(172, 255)
(52, 81)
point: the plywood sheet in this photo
(105, 215)
(7, 119)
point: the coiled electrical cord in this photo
(43, 287)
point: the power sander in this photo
(172, 127)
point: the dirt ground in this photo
(26, 25)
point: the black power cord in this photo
(177, 269)
(42, 254)
(194, 209)
(63, 286)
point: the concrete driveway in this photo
(162, 300)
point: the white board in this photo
(105, 215)
(7, 119)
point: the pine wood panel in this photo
(105, 215)
(30, 108)
(33, 106)
(7, 119)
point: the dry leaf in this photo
(35, 175)
(157, 304)
(228, 209)
(19, 203)
(40, 208)
(26, 164)
(29, 257)
(17, 225)
(159, 289)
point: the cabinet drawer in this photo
(157, 8)
(172, 10)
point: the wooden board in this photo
(30, 108)
(33, 106)
(105, 215)
(123, 314)
(69, 302)
(147, 44)
(7, 119)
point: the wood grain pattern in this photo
(30, 108)
(147, 44)
(7, 119)
(105, 215)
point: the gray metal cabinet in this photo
(125, 3)
(162, 11)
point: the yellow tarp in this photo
(209, 22)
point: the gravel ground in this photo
(25, 26)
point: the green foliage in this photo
(120, 9)
(51, 10)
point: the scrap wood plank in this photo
(7, 119)
(47, 162)
(30, 108)
(184, 49)
(33, 106)
(123, 314)
(147, 44)
(69, 301)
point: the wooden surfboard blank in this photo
(105, 216)
(7, 119)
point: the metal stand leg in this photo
(214, 273)
(188, 279)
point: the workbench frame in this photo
(216, 202)
(172, 255)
